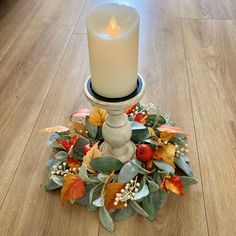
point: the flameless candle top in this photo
(113, 36)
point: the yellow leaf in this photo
(73, 188)
(166, 135)
(166, 153)
(97, 116)
(77, 128)
(94, 152)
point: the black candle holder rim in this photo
(114, 100)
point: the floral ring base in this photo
(118, 190)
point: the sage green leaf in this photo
(137, 165)
(106, 219)
(164, 166)
(78, 147)
(127, 173)
(123, 214)
(85, 199)
(153, 187)
(83, 174)
(99, 202)
(139, 132)
(52, 139)
(51, 185)
(185, 158)
(92, 129)
(153, 203)
(183, 165)
(57, 179)
(61, 156)
(188, 180)
(142, 193)
(92, 191)
(102, 177)
(138, 208)
(106, 164)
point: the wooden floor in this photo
(188, 59)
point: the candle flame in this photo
(113, 27)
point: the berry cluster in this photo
(62, 170)
(128, 193)
(181, 151)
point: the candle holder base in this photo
(126, 154)
(116, 129)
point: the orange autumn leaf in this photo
(97, 116)
(130, 109)
(173, 184)
(73, 188)
(166, 135)
(58, 128)
(166, 153)
(110, 195)
(94, 152)
(170, 129)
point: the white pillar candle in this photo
(113, 37)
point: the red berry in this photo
(144, 152)
(86, 148)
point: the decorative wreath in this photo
(118, 190)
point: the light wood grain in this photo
(211, 58)
(210, 9)
(39, 212)
(27, 72)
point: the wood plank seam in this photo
(193, 120)
(42, 104)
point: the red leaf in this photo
(73, 188)
(173, 184)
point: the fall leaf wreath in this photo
(87, 177)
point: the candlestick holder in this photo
(116, 129)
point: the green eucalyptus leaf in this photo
(57, 179)
(93, 191)
(138, 208)
(52, 139)
(92, 129)
(106, 164)
(153, 187)
(61, 156)
(186, 180)
(99, 202)
(153, 203)
(85, 199)
(123, 214)
(183, 165)
(139, 132)
(138, 166)
(83, 174)
(102, 177)
(78, 147)
(142, 193)
(127, 173)
(164, 166)
(106, 219)
(51, 185)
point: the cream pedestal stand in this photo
(116, 129)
